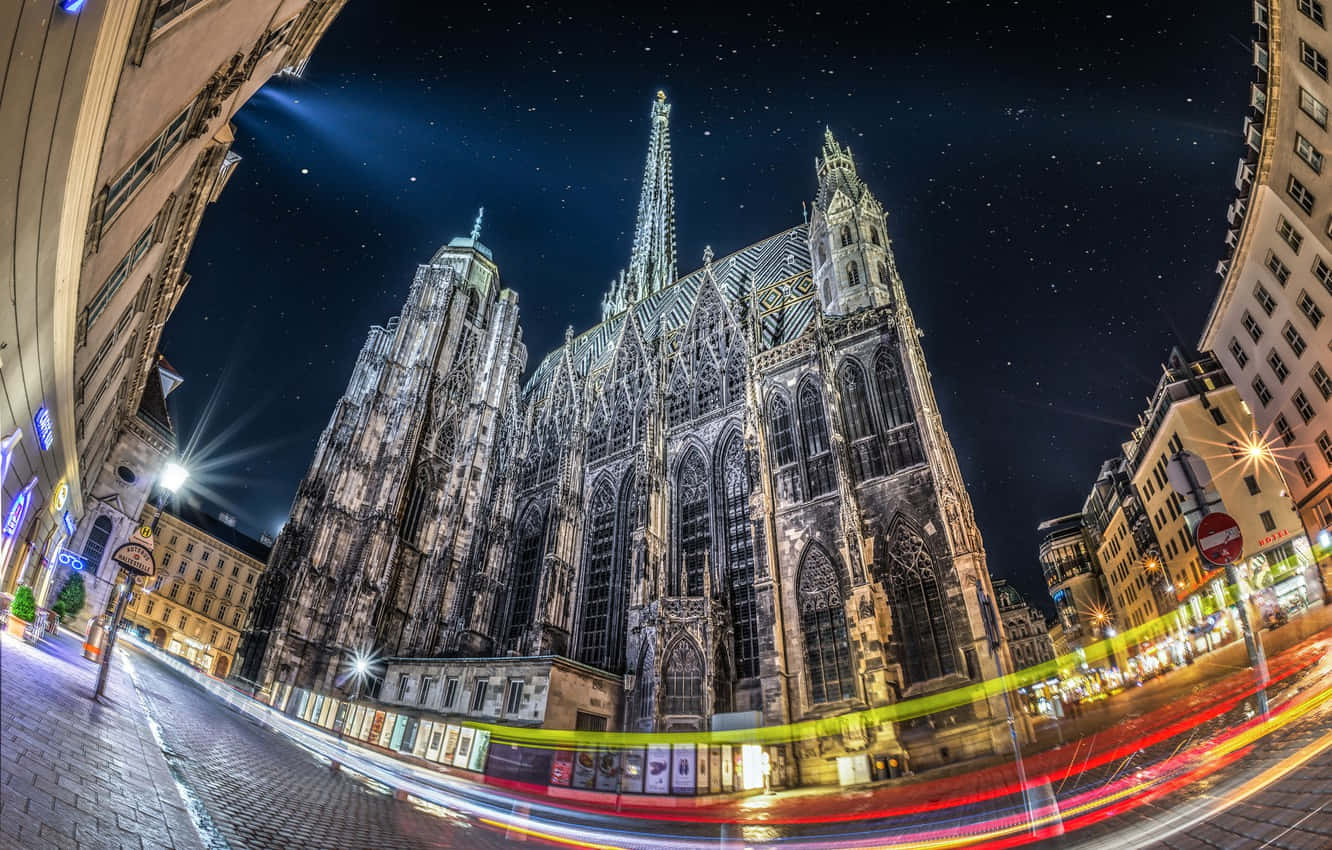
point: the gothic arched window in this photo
(414, 505)
(621, 424)
(647, 676)
(823, 254)
(594, 641)
(866, 452)
(874, 235)
(883, 274)
(684, 680)
(694, 535)
(677, 400)
(708, 382)
(782, 435)
(735, 492)
(95, 546)
(846, 236)
(823, 629)
(735, 375)
(596, 436)
(526, 573)
(902, 442)
(814, 441)
(473, 308)
(918, 610)
(853, 273)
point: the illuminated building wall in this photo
(1268, 326)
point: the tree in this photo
(24, 605)
(71, 598)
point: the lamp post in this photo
(170, 480)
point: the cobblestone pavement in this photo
(262, 791)
(76, 773)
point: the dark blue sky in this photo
(1056, 175)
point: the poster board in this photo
(727, 768)
(714, 770)
(701, 779)
(465, 738)
(608, 770)
(683, 767)
(480, 746)
(632, 771)
(657, 780)
(451, 733)
(561, 768)
(585, 769)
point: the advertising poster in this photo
(465, 738)
(386, 733)
(739, 754)
(561, 768)
(608, 771)
(318, 709)
(585, 769)
(436, 741)
(409, 736)
(340, 721)
(632, 771)
(424, 732)
(376, 726)
(366, 722)
(727, 768)
(399, 729)
(529, 765)
(682, 769)
(450, 744)
(657, 780)
(714, 770)
(702, 778)
(480, 746)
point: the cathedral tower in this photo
(847, 239)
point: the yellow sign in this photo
(61, 495)
(144, 536)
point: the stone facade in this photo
(1029, 640)
(736, 491)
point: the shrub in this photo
(70, 600)
(24, 605)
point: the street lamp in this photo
(169, 480)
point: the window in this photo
(1284, 429)
(1237, 351)
(736, 488)
(1287, 232)
(902, 442)
(1310, 308)
(1264, 298)
(1299, 194)
(206, 555)
(1314, 108)
(526, 569)
(183, 620)
(695, 535)
(874, 235)
(782, 437)
(95, 546)
(853, 273)
(1306, 475)
(814, 441)
(1252, 483)
(222, 612)
(684, 680)
(427, 685)
(1312, 59)
(175, 590)
(1312, 9)
(235, 570)
(479, 694)
(846, 236)
(414, 505)
(1323, 272)
(169, 10)
(208, 605)
(189, 598)
(98, 304)
(189, 548)
(1294, 339)
(450, 691)
(1217, 416)
(198, 575)
(1278, 366)
(601, 597)
(221, 562)
(858, 418)
(148, 609)
(235, 618)
(586, 722)
(1321, 381)
(1277, 268)
(1251, 325)
(212, 583)
(1261, 391)
(244, 596)
(926, 648)
(230, 587)
(1302, 406)
(1324, 448)
(1305, 150)
(158, 151)
(403, 682)
(249, 578)
(514, 698)
(823, 629)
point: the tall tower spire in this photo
(652, 264)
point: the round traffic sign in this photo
(1219, 539)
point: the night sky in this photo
(1056, 174)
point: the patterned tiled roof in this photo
(777, 269)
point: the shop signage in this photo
(1273, 537)
(69, 523)
(45, 430)
(15, 516)
(135, 558)
(66, 558)
(61, 496)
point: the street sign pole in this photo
(1252, 643)
(135, 559)
(121, 601)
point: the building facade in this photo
(207, 574)
(1073, 576)
(736, 491)
(123, 111)
(1028, 635)
(1267, 326)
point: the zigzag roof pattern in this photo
(778, 270)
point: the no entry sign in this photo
(1219, 539)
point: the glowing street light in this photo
(173, 476)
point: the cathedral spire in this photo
(652, 263)
(476, 226)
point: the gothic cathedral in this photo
(736, 490)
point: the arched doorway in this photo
(220, 667)
(159, 637)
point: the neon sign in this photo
(15, 516)
(45, 429)
(61, 496)
(69, 524)
(66, 558)
(72, 6)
